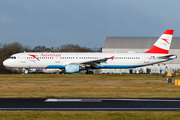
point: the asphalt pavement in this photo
(99, 104)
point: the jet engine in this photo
(72, 68)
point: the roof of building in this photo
(136, 42)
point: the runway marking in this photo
(63, 100)
(73, 100)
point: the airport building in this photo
(140, 45)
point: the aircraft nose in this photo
(5, 63)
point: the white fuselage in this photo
(59, 60)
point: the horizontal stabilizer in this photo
(168, 57)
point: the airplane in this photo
(75, 62)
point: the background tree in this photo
(74, 48)
(41, 49)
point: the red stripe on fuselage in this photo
(155, 49)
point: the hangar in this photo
(140, 45)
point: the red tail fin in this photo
(162, 45)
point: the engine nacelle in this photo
(72, 68)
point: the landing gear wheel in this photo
(89, 72)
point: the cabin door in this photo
(23, 58)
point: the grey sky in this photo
(52, 23)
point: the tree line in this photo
(6, 50)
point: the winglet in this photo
(112, 57)
(162, 45)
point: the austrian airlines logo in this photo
(34, 56)
(166, 40)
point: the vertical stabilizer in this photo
(162, 45)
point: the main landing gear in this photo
(89, 72)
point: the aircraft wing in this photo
(94, 63)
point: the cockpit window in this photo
(12, 57)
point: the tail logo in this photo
(166, 40)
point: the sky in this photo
(53, 23)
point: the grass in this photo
(39, 86)
(87, 115)
(88, 89)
